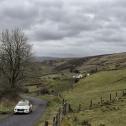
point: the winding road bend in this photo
(26, 119)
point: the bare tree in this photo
(14, 54)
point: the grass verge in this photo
(93, 87)
(54, 103)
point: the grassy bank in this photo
(6, 107)
(53, 105)
(93, 87)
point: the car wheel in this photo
(30, 110)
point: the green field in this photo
(93, 87)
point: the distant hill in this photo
(93, 63)
(41, 59)
(84, 64)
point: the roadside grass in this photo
(5, 111)
(110, 115)
(53, 105)
(6, 107)
(93, 87)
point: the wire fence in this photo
(67, 108)
(62, 112)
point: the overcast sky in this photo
(65, 28)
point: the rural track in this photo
(26, 119)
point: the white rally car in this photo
(23, 106)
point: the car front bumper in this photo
(21, 111)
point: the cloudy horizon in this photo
(68, 28)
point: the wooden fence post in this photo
(123, 93)
(62, 114)
(46, 123)
(116, 94)
(79, 107)
(63, 101)
(65, 108)
(69, 107)
(101, 100)
(91, 103)
(110, 96)
(54, 121)
(59, 116)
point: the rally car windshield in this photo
(22, 104)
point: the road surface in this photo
(26, 119)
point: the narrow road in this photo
(26, 119)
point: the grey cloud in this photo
(97, 25)
(17, 15)
(20, 13)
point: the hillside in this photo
(93, 88)
(108, 76)
(42, 59)
(94, 63)
(48, 65)
(57, 73)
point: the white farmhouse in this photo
(79, 76)
(88, 74)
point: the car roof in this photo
(26, 101)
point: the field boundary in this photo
(66, 107)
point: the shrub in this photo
(25, 90)
(44, 90)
